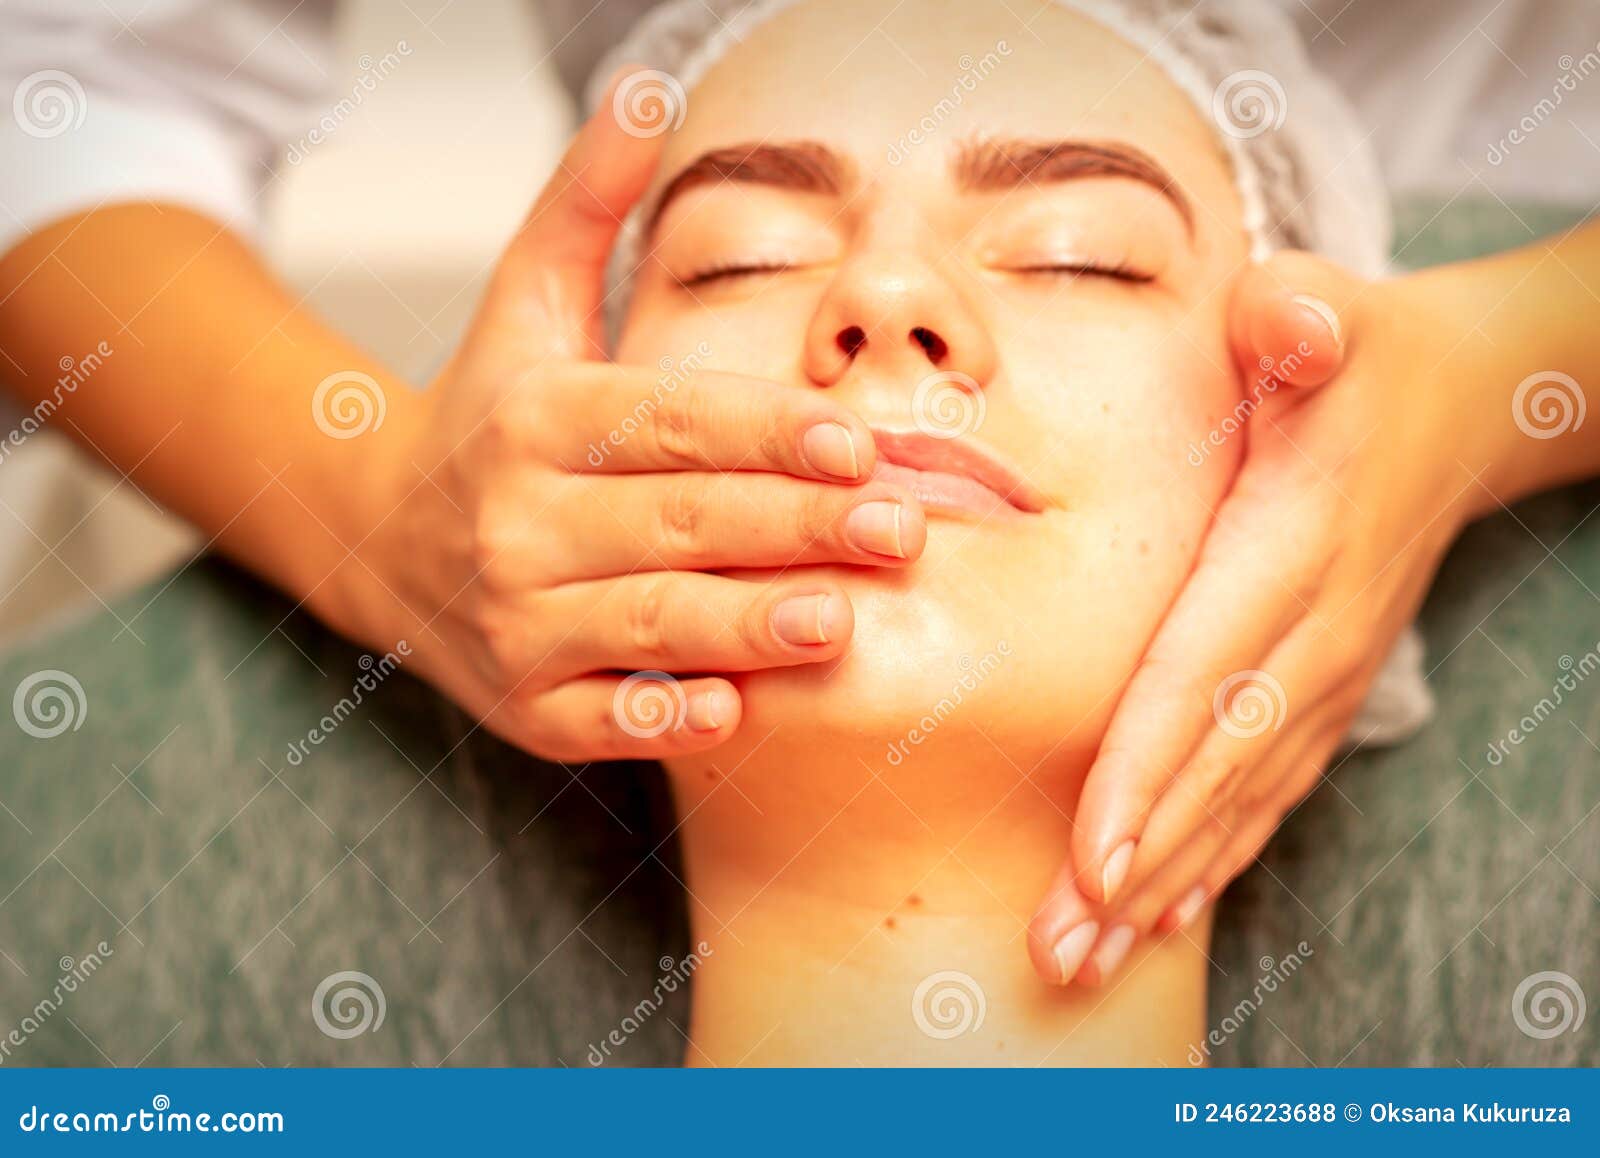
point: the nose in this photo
(894, 315)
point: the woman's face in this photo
(958, 224)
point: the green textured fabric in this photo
(514, 912)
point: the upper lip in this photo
(961, 457)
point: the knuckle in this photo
(683, 521)
(646, 619)
(676, 423)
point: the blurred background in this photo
(392, 254)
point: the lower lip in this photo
(941, 493)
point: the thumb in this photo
(550, 285)
(1284, 318)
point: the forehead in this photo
(898, 85)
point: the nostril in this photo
(851, 339)
(932, 344)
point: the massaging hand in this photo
(1346, 499)
(556, 516)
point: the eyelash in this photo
(1119, 271)
(731, 271)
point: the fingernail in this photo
(831, 449)
(1114, 873)
(1183, 912)
(808, 619)
(1112, 949)
(705, 712)
(875, 527)
(1073, 948)
(1324, 311)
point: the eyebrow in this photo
(802, 166)
(979, 166)
(995, 166)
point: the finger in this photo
(642, 716)
(622, 419)
(685, 621)
(707, 522)
(1241, 851)
(1257, 723)
(1284, 318)
(550, 282)
(1063, 930)
(1204, 662)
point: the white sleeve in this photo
(183, 101)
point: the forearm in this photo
(193, 372)
(1524, 316)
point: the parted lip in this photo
(953, 473)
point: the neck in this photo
(862, 912)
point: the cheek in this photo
(762, 336)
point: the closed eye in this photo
(731, 271)
(1117, 271)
